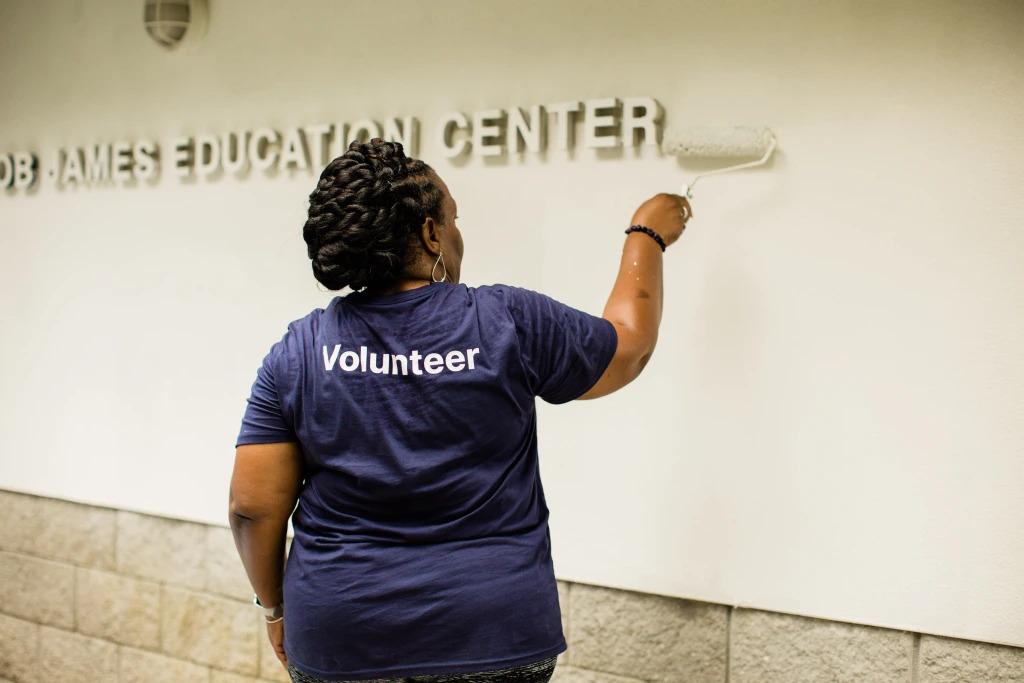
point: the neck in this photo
(399, 286)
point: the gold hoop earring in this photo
(444, 277)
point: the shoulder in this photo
(511, 296)
(299, 332)
(527, 309)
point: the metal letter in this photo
(564, 123)
(460, 121)
(484, 128)
(533, 135)
(592, 121)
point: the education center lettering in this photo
(605, 122)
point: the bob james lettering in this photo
(395, 363)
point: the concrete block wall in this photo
(93, 594)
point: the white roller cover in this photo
(717, 141)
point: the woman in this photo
(401, 419)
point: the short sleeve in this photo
(263, 420)
(564, 350)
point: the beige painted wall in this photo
(831, 425)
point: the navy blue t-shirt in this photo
(421, 532)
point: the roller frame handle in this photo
(688, 190)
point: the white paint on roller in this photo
(717, 141)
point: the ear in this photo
(430, 236)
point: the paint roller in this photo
(719, 141)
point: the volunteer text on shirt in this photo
(392, 363)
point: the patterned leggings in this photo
(537, 672)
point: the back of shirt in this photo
(421, 538)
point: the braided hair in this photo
(366, 206)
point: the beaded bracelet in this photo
(643, 228)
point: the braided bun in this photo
(366, 205)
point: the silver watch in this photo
(270, 612)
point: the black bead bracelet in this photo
(643, 228)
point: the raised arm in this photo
(635, 303)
